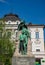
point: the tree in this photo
(6, 48)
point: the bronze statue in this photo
(23, 38)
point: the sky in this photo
(28, 10)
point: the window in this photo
(17, 23)
(0, 34)
(16, 34)
(30, 35)
(37, 35)
(9, 34)
(9, 22)
(37, 50)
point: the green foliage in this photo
(43, 60)
(6, 48)
(37, 63)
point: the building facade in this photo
(36, 31)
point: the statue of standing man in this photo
(23, 38)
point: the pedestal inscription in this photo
(23, 61)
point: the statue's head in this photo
(22, 25)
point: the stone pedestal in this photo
(23, 60)
(27, 59)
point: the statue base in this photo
(19, 59)
(23, 60)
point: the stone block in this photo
(24, 60)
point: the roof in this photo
(12, 17)
(11, 14)
(30, 24)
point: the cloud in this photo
(3, 1)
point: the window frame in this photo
(37, 50)
(37, 35)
